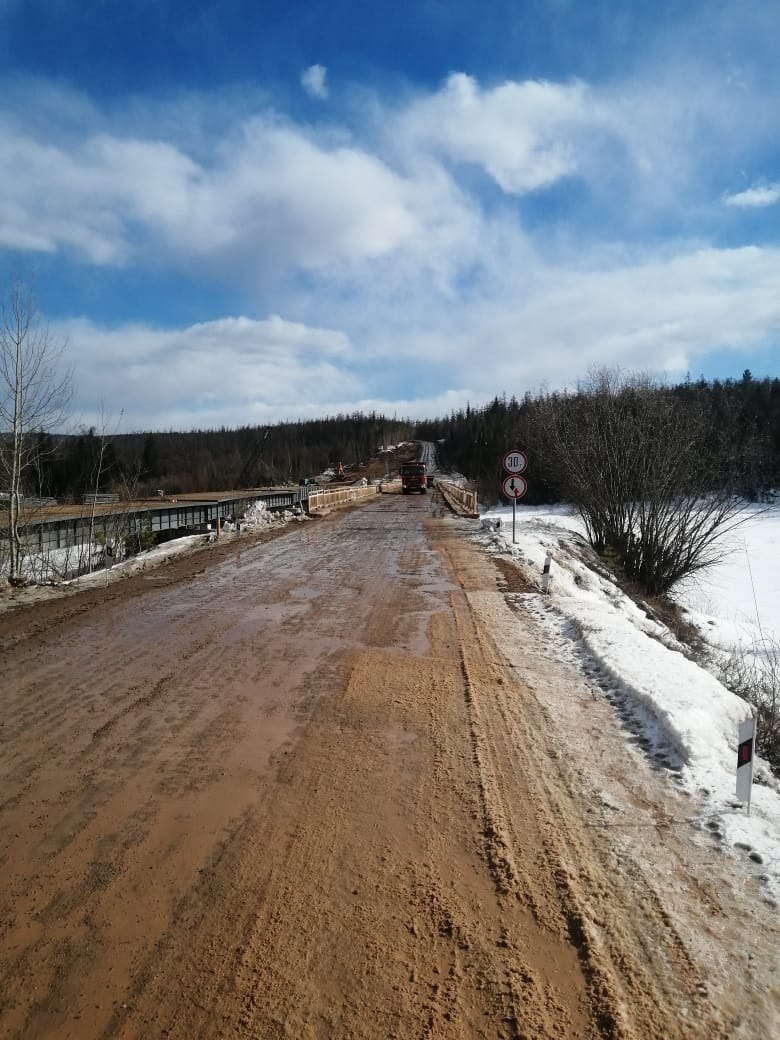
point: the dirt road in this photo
(297, 789)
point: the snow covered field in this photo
(737, 603)
(678, 713)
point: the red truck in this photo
(414, 477)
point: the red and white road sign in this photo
(514, 487)
(515, 461)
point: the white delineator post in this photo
(746, 745)
(546, 571)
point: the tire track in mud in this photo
(357, 899)
(379, 919)
(174, 733)
(95, 768)
(642, 982)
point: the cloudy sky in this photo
(240, 212)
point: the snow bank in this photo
(142, 561)
(684, 717)
(259, 518)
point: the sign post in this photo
(746, 743)
(514, 486)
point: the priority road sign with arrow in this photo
(514, 486)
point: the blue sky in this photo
(244, 212)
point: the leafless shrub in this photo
(756, 678)
(639, 464)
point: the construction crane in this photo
(252, 460)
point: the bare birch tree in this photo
(34, 395)
(107, 431)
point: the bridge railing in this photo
(459, 498)
(327, 498)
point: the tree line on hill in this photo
(737, 424)
(138, 464)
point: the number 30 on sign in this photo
(515, 461)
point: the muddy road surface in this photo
(296, 789)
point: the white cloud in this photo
(757, 196)
(270, 192)
(315, 202)
(216, 372)
(384, 230)
(313, 81)
(522, 134)
(636, 146)
(202, 185)
(662, 312)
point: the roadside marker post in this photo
(514, 486)
(546, 571)
(746, 741)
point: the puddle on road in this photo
(253, 617)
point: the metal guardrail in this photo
(340, 496)
(100, 499)
(62, 526)
(458, 497)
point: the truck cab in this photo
(414, 477)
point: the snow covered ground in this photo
(737, 603)
(680, 715)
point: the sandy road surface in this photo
(297, 789)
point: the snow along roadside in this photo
(684, 719)
(258, 518)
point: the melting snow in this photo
(682, 717)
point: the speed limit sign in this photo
(515, 461)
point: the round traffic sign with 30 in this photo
(515, 461)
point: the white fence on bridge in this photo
(327, 498)
(459, 498)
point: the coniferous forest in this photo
(741, 418)
(137, 464)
